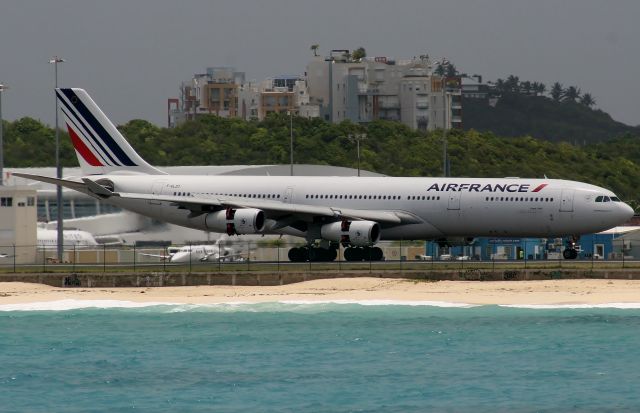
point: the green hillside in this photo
(541, 117)
(390, 148)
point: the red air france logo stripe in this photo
(539, 188)
(82, 149)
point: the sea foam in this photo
(631, 306)
(61, 305)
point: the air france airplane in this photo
(356, 212)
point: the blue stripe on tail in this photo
(97, 126)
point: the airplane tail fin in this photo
(100, 147)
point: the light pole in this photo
(60, 242)
(358, 137)
(445, 160)
(3, 87)
(291, 140)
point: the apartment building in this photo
(212, 92)
(382, 88)
(334, 88)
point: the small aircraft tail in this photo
(100, 147)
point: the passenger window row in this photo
(423, 198)
(378, 197)
(518, 199)
(261, 196)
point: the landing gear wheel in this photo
(570, 254)
(353, 254)
(376, 254)
(298, 254)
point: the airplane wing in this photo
(215, 257)
(67, 183)
(278, 211)
(162, 257)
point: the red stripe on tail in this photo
(82, 149)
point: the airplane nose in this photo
(627, 211)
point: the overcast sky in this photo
(131, 55)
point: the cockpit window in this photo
(603, 198)
(615, 199)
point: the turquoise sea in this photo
(318, 358)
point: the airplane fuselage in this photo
(443, 207)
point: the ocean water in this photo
(71, 356)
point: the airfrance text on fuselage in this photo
(445, 187)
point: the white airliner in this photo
(198, 253)
(354, 211)
(48, 238)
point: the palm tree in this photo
(537, 88)
(572, 94)
(557, 92)
(587, 100)
(314, 48)
(512, 83)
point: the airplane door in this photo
(288, 194)
(566, 200)
(454, 201)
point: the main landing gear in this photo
(319, 254)
(571, 253)
(363, 254)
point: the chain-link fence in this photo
(274, 255)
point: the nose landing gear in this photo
(571, 253)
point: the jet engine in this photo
(356, 233)
(236, 221)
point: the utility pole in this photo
(358, 137)
(3, 87)
(60, 242)
(291, 140)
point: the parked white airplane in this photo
(354, 211)
(198, 253)
(48, 238)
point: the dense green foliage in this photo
(390, 148)
(544, 118)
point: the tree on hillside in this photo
(499, 85)
(512, 84)
(526, 87)
(314, 49)
(587, 100)
(538, 88)
(572, 94)
(359, 53)
(557, 91)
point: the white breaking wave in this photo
(61, 305)
(573, 306)
(282, 305)
(445, 304)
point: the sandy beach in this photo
(553, 292)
